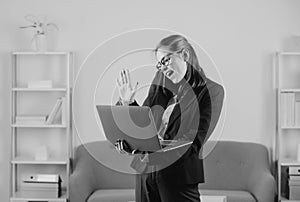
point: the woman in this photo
(180, 98)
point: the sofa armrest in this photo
(262, 186)
(81, 186)
(82, 181)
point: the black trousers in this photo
(151, 189)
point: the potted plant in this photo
(39, 25)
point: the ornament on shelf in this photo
(39, 25)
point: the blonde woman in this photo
(186, 112)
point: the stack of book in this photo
(290, 110)
(31, 119)
(60, 107)
(294, 183)
(49, 184)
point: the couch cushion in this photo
(232, 195)
(228, 165)
(112, 195)
(121, 195)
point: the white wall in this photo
(240, 36)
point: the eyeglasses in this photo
(165, 62)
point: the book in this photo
(294, 182)
(39, 84)
(289, 109)
(284, 111)
(294, 170)
(294, 177)
(54, 111)
(297, 113)
(298, 152)
(45, 186)
(42, 178)
(292, 108)
(43, 192)
(31, 119)
(64, 111)
(51, 189)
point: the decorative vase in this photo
(40, 42)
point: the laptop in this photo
(136, 125)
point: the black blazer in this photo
(194, 118)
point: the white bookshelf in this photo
(25, 138)
(287, 138)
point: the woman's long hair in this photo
(176, 43)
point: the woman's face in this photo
(172, 65)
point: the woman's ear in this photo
(185, 55)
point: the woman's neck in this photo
(180, 85)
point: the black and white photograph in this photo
(149, 101)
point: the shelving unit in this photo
(287, 83)
(56, 137)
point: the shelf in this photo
(289, 53)
(283, 199)
(38, 126)
(37, 196)
(290, 162)
(40, 53)
(290, 90)
(290, 127)
(39, 89)
(28, 160)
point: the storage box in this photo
(294, 170)
(294, 189)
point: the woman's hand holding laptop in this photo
(123, 147)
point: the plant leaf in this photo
(54, 25)
(22, 27)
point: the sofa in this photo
(238, 170)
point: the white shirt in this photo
(166, 117)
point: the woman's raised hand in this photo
(126, 92)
